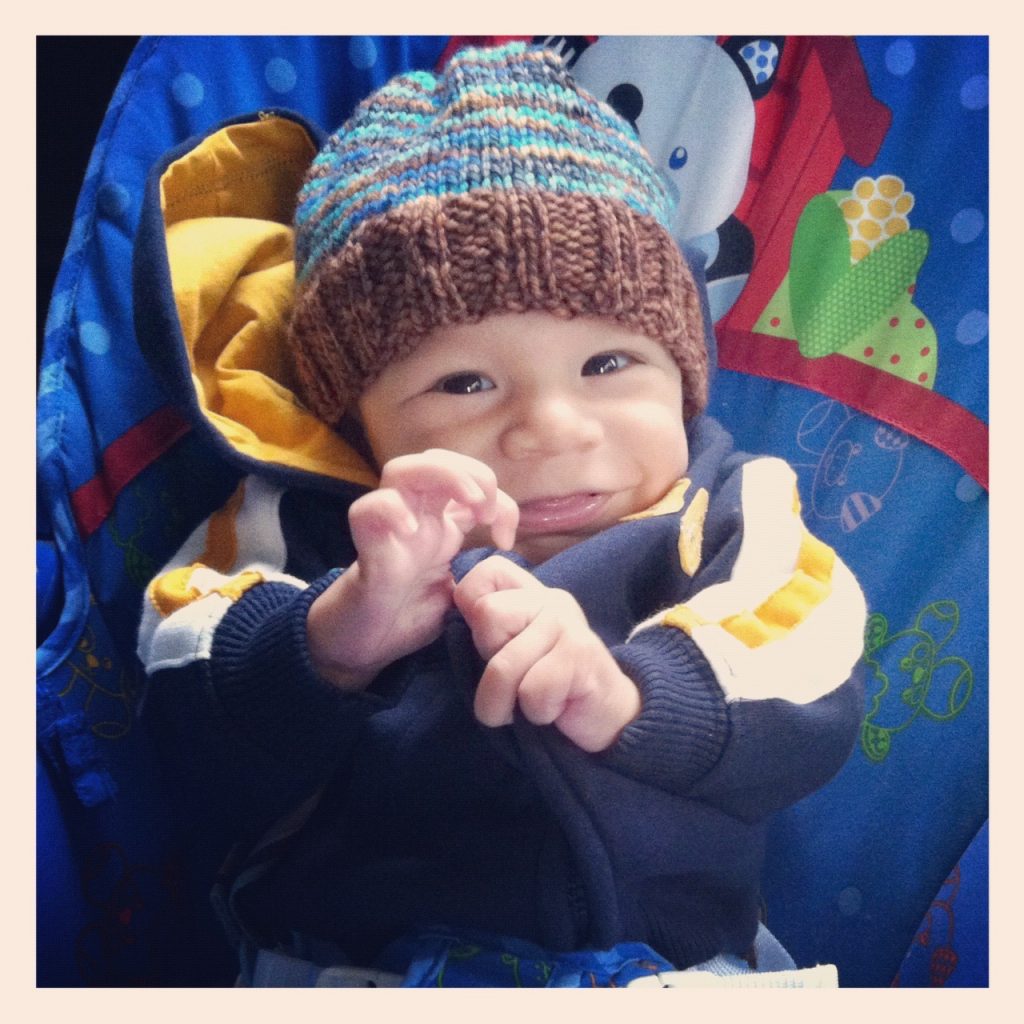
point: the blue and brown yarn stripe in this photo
(495, 186)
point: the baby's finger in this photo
(505, 522)
(545, 690)
(437, 476)
(488, 577)
(498, 689)
(499, 617)
(380, 514)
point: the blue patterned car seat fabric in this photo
(846, 253)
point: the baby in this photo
(578, 649)
(544, 430)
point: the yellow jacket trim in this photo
(671, 502)
(221, 535)
(809, 586)
(173, 590)
(684, 618)
(691, 532)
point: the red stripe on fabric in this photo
(862, 120)
(121, 462)
(928, 416)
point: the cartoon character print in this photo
(912, 676)
(153, 514)
(936, 936)
(101, 686)
(852, 275)
(859, 462)
(691, 101)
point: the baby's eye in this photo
(463, 384)
(606, 362)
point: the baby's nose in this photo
(551, 425)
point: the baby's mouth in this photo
(561, 513)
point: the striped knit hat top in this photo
(497, 186)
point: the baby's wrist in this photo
(346, 678)
(325, 622)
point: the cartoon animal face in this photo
(692, 104)
(912, 674)
(860, 461)
(693, 109)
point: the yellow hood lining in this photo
(227, 208)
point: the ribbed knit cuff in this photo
(683, 724)
(265, 678)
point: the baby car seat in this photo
(848, 285)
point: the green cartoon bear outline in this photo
(921, 663)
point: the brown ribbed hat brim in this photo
(435, 262)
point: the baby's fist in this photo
(543, 656)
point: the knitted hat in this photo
(497, 186)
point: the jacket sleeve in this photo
(237, 712)
(752, 696)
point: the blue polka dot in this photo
(967, 489)
(973, 327)
(765, 45)
(967, 225)
(124, 86)
(58, 312)
(79, 233)
(850, 901)
(762, 61)
(748, 52)
(280, 74)
(900, 57)
(94, 338)
(187, 90)
(113, 199)
(47, 437)
(974, 93)
(51, 378)
(95, 159)
(362, 52)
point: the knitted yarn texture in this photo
(496, 186)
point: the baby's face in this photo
(580, 420)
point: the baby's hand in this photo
(542, 655)
(393, 599)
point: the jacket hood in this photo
(213, 276)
